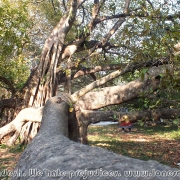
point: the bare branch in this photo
(8, 83)
(150, 4)
(98, 68)
(64, 4)
(126, 8)
(116, 25)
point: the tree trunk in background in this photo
(43, 83)
(86, 117)
(149, 114)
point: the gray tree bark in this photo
(51, 155)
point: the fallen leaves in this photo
(162, 147)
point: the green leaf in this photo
(176, 122)
(140, 122)
(71, 109)
(146, 25)
(143, 72)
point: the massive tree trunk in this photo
(43, 83)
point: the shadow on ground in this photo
(160, 143)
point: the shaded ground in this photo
(158, 143)
(8, 159)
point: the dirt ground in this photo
(138, 144)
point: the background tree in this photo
(113, 42)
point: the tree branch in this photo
(8, 83)
(150, 114)
(97, 69)
(91, 116)
(82, 45)
(129, 68)
(116, 94)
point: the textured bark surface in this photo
(30, 115)
(27, 122)
(51, 155)
(155, 114)
(116, 94)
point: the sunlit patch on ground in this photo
(157, 143)
(9, 157)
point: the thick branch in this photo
(116, 94)
(90, 116)
(154, 114)
(82, 45)
(98, 68)
(113, 30)
(123, 15)
(103, 80)
(27, 114)
(85, 71)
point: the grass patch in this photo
(9, 157)
(160, 143)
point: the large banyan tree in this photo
(135, 41)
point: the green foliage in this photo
(115, 116)
(143, 72)
(14, 22)
(140, 122)
(148, 33)
(16, 70)
(51, 10)
(14, 25)
(176, 122)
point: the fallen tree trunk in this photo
(86, 117)
(26, 125)
(151, 114)
(52, 155)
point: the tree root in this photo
(25, 126)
